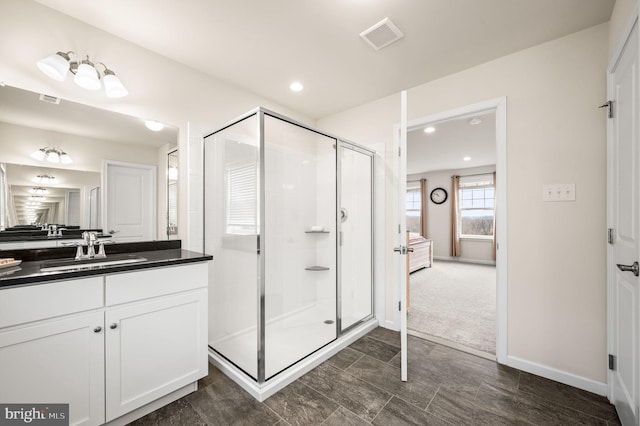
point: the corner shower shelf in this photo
(316, 268)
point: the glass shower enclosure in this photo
(288, 220)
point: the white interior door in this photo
(72, 210)
(624, 215)
(130, 201)
(399, 246)
(94, 208)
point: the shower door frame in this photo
(342, 143)
(260, 113)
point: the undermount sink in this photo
(72, 264)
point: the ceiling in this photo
(451, 142)
(24, 108)
(263, 46)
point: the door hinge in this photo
(399, 305)
(399, 229)
(399, 151)
(609, 106)
(612, 362)
(610, 236)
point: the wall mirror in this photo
(91, 137)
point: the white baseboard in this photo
(391, 325)
(465, 260)
(551, 373)
(547, 372)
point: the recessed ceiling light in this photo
(296, 86)
(430, 129)
(475, 121)
(155, 126)
(467, 158)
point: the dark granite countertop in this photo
(47, 238)
(157, 253)
(17, 236)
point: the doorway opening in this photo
(455, 291)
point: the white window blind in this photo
(476, 206)
(242, 200)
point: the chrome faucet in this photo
(90, 240)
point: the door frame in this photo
(611, 271)
(499, 105)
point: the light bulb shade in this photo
(87, 76)
(39, 154)
(55, 66)
(53, 157)
(65, 159)
(113, 86)
(154, 126)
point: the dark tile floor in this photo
(361, 385)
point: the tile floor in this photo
(360, 385)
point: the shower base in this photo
(273, 385)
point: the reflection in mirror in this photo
(172, 194)
(58, 201)
(31, 121)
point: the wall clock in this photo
(438, 195)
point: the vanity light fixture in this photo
(86, 75)
(38, 190)
(467, 158)
(52, 155)
(44, 179)
(155, 126)
(430, 129)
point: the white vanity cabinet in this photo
(107, 345)
(48, 353)
(159, 344)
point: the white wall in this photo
(619, 19)
(555, 134)
(439, 219)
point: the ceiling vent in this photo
(49, 99)
(382, 34)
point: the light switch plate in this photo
(559, 192)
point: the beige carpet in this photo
(456, 302)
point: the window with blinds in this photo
(242, 200)
(476, 206)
